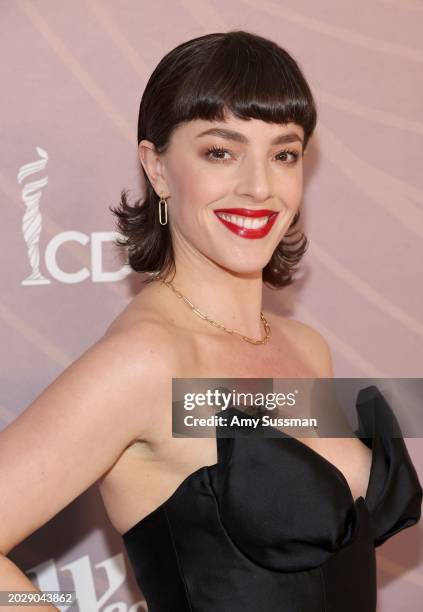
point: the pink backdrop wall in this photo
(71, 78)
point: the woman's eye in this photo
(216, 154)
(286, 152)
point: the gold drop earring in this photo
(162, 201)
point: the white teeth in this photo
(247, 222)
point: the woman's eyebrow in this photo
(284, 138)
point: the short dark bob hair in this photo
(204, 78)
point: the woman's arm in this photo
(74, 431)
(13, 579)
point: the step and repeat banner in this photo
(71, 78)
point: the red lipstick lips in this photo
(246, 232)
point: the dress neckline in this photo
(338, 471)
(327, 462)
(220, 440)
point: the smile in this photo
(247, 223)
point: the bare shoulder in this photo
(140, 339)
(147, 356)
(308, 342)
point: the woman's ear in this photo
(152, 163)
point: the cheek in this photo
(200, 188)
(193, 188)
(291, 190)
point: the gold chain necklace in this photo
(215, 323)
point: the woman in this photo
(211, 524)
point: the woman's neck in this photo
(229, 299)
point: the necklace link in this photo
(203, 316)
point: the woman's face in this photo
(250, 171)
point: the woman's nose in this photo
(255, 179)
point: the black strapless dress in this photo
(273, 526)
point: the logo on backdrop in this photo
(31, 194)
(93, 593)
(31, 222)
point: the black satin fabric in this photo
(273, 525)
